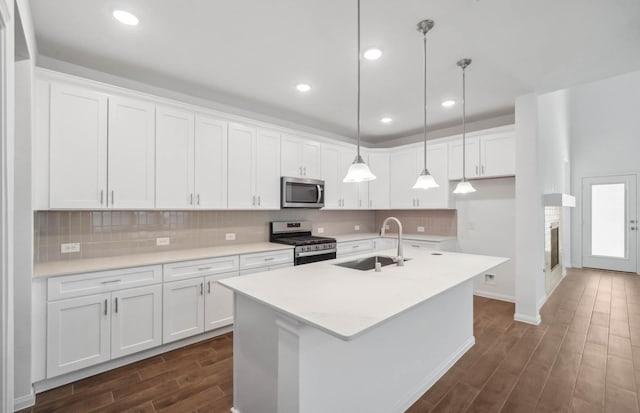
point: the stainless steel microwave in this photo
(301, 193)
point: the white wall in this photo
(605, 138)
(486, 225)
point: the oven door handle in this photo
(312, 253)
(319, 193)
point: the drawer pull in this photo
(205, 268)
(355, 246)
(415, 246)
(201, 288)
(116, 306)
(270, 259)
(111, 281)
(208, 287)
(105, 306)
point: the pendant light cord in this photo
(425, 100)
(358, 116)
(464, 125)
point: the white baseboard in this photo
(434, 376)
(495, 296)
(24, 401)
(528, 319)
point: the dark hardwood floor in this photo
(584, 357)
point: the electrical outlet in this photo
(230, 236)
(69, 247)
(357, 227)
(163, 241)
(320, 230)
(490, 279)
(420, 229)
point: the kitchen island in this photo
(325, 338)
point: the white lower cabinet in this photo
(89, 330)
(196, 305)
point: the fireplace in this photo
(554, 253)
(552, 247)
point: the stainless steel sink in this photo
(369, 263)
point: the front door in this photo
(610, 223)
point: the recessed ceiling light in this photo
(125, 17)
(303, 87)
(448, 103)
(372, 54)
(386, 119)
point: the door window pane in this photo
(608, 221)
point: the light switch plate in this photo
(320, 230)
(163, 241)
(230, 236)
(69, 247)
(490, 279)
(357, 227)
(420, 229)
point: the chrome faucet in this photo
(400, 257)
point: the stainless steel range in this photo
(308, 248)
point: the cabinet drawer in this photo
(266, 259)
(104, 281)
(190, 269)
(354, 247)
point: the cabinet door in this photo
(331, 177)
(472, 163)
(132, 154)
(291, 157)
(218, 303)
(349, 191)
(174, 159)
(78, 148)
(498, 154)
(78, 333)
(183, 309)
(311, 160)
(379, 188)
(403, 172)
(241, 167)
(210, 163)
(136, 320)
(267, 156)
(437, 161)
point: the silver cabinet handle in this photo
(208, 287)
(204, 268)
(101, 196)
(482, 173)
(269, 258)
(113, 197)
(415, 246)
(305, 171)
(111, 281)
(198, 199)
(418, 201)
(253, 200)
(190, 199)
(476, 170)
(300, 169)
(105, 306)
(116, 305)
(634, 228)
(258, 200)
(201, 288)
(355, 246)
(633, 221)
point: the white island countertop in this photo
(345, 302)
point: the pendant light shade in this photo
(464, 186)
(358, 171)
(425, 179)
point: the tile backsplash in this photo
(113, 233)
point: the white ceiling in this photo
(251, 53)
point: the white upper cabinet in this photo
(406, 165)
(488, 156)
(210, 156)
(254, 168)
(498, 155)
(131, 182)
(78, 148)
(174, 159)
(300, 158)
(379, 188)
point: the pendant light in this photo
(464, 186)
(425, 179)
(358, 171)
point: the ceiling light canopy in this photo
(372, 54)
(303, 87)
(386, 119)
(125, 17)
(425, 179)
(448, 103)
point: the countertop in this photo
(371, 235)
(345, 302)
(55, 268)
